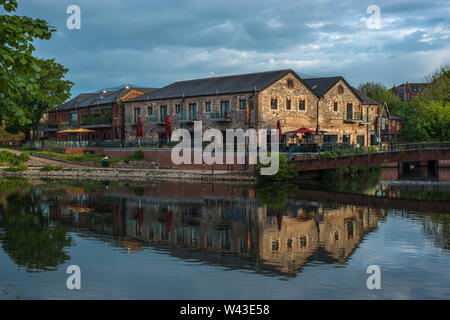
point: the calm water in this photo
(211, 241)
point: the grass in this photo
(12, 159)
(88, 157)
(85, 157)
(19, 168)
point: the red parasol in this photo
(140, 216)
(280, 135)
(302, 130)
(168, 129)
(139, 128)
(169, 220)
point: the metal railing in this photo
(94, 121)
(188, 116)
(68, 125)
(47, 127)
(217, 116)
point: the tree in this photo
(50, 90)
(18, 68)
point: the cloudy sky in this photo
(155, 42)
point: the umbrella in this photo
(168, 129)
(139, 130)
(169, 220)
(280, 135)
(302, 130)
(140, 212)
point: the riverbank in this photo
(101, 174)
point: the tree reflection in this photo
(29, 238)
(437, 228)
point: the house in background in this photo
(407, 90)
(396, 127)
(386, 125)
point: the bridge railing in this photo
(397, 147)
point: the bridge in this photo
(391, 153)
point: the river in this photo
(166, 240)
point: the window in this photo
(360, 140)
(192, 111)
(289, 244)
(273, 104)
(275, 245)
(302, 241)
(302, 105)
(225, 109)
(137, 113)
(208, 106)
(330, 138)
(346, 138)
(288, 104)
(242, 104)
(335, 106)
(150, 111)
(163, 113)
(178, 108)
(290, 83)
(340, 89)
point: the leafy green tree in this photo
(50, 90)
(19, 70)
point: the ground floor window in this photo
(360, 140)
(346, 138)
(330, 138)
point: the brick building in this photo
(101, 112)
(259, 101)
(407, 91)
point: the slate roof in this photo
(73, 103)
(320, 86)
(232, 84)
(365, 99)
(99, 98)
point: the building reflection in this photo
(222, 225)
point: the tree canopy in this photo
(19, 70)
(50, 90)
(426, 117)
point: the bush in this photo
(285, 170)
(49, 168)
(19, 168)
(12, 159)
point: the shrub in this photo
(285, 170)
(19, 168)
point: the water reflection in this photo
(269, 229)
(29, 238)
(216, 224)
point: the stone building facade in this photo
(258, 101)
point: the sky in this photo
(152, 43)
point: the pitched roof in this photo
(73, 103)
(365, 99)
(98, 98)
(241, 83)
(320, 86)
